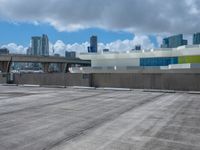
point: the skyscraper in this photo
(29, 51)
(93, 45)
(40, 45)
(45, 45)
(174, 41)
(196, 38)
(36, 45)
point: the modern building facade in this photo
(174, 41)
(93, 48)
(196, 38)
(40, 45)
(189, 54)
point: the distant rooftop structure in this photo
(137, 48)
(57, 55)
(71, 54)
(105, 50)
(4, 51)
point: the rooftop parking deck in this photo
(38, 118)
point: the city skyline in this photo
(59, 47)
(119, 26)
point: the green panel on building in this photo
(188, 59)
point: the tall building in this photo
(40, 45)
(36, 45)
(174, 41)
(93, 45)
(29, 51)
(45, 45)
(196, 38)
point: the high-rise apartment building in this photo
(174, 41)
(40, 45)
(36, 45)
(45, 45)
(196, 38)
(93, 45)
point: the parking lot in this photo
(38, 118)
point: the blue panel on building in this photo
(158, 61)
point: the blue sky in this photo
(21, 33)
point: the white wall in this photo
(116, 62)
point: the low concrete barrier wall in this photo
(3, 78)
(61, 79)
(166, 81)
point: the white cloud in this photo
(189, 38)
(159, 39)
(60, 47)
(14, 48)
(120, 45)
(124, 45)
(138, 16)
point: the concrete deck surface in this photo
(34, 118)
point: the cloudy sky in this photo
(119, 24)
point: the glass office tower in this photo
(93, 48)
(196, 38)
(40, 45)
(174, 41)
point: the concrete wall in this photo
(167, 81)
(62, 79)
(3, 78)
